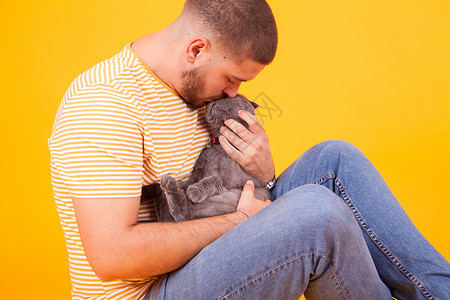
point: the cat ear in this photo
(255, 105)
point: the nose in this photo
(232, 89)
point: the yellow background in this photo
(374, 73)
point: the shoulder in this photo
(108, 76)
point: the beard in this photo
(193, 87)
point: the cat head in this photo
(223, 109)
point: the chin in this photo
(197, 102)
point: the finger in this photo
(234, 153)
(252, 121)
(249, 188)
(240, 130)
(233, 138)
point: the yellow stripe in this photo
(118, 126)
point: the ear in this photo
(255, 105)
(195, 48)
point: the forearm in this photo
(148, 249)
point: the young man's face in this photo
(204, 83)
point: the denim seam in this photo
(296, 258)
(373, 236)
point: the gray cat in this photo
(216, 183)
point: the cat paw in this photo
(168, 184)
(195, 194)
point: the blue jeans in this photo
(333, 231)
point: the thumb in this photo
(249, 187)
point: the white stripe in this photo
(132, 103)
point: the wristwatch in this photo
(271, 183)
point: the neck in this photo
(157, 53)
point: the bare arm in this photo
(119, 248)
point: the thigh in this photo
(225, 265)
(308, 234)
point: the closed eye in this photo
(236, 79)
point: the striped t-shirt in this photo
(118, 128)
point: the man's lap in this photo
(257, 251)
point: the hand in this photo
(248, 204)
(251, 147)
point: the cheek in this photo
(214, 85)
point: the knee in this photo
(335, 152)
(337, 147)
(317, 207)
(309, 218)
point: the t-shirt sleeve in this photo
(97, 144)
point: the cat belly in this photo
(224, 202)
(220, 204)
(215, 161)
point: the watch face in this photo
(270, 185)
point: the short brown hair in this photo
(244, 28)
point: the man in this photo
(139, 115)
